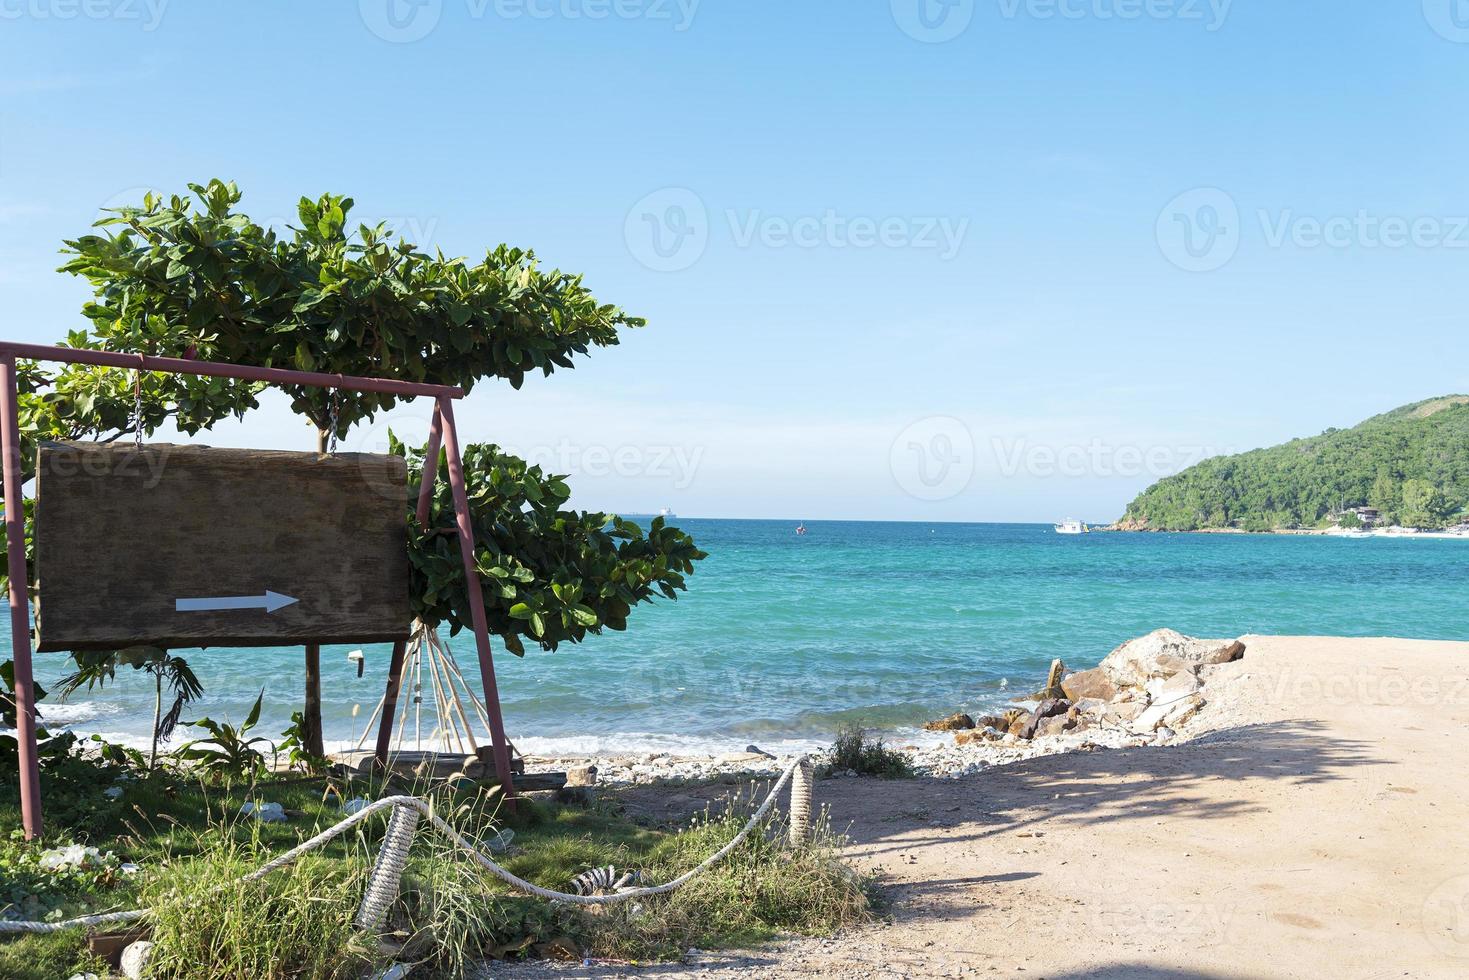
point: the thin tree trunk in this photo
(311, 729)
(157, 717)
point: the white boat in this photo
(1072, 527)
(666, 513)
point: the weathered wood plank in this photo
(122, 534)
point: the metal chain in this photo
(331, 446)
(138, 406)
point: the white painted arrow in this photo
(270, 602)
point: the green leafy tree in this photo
(171, 277)
(1423, 505)
(1306, 481)
(194, 277)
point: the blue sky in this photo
(989, 260)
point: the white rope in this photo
(473, 850)
(86, 920)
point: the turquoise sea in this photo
(782, 638)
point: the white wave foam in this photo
(65, 714)
(638, 743)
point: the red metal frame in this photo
(441, 430)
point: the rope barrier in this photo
(382, 888)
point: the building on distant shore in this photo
(1367, 515)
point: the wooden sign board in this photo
(188, 546)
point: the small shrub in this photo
(50, 884)
(228, 752)
(763, 888)
(293, 747)
(855, 751)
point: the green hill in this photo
(1412, 464)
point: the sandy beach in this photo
(1307, 822)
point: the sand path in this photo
(1318, 828)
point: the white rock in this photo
(1160, 653)
(355, 805)
(1180, 684)
(135, 959)
(71, 856)
(264, 812)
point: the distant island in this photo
(1408, 467)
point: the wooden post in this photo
(476, 599)
(312, 739)
(20, 611)
(430, 469)
(390, 704)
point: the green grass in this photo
(193, 847)
(208, 925)
(50, 956)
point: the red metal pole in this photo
(476, 598)
(20, 611)
(245, 372)
(430, 467)
(390, 703)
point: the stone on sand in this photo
(1093, 683)
(1164, 653)
(953, 723)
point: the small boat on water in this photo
(1072, 527)
(800, 528)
